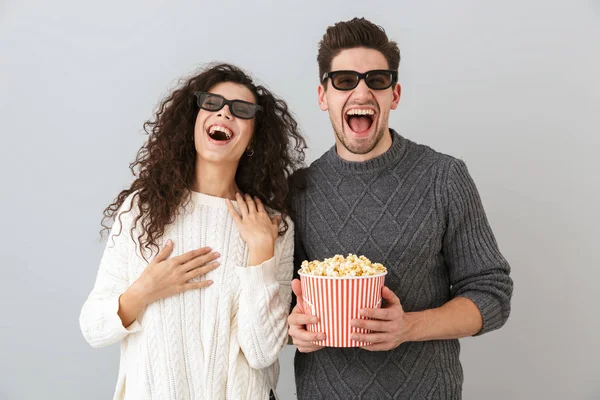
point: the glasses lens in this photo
(379, 80)
(210, 102)
(344, 80)
(243, 110)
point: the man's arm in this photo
(458, 318)
(479, 276)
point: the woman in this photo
(206, 317)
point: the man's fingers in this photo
(372, 325)
(373, 338)
(306, 338)
(377, 347)
(299, 319)
(389, 297)
(299, 335)
(383, 314)
(309, 349)
(165, 252)
(190, 255)
(297, 289)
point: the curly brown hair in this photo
(164, 167)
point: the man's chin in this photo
(358, 148)
(359, 145)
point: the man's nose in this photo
(362, 91)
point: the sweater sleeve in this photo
(477, 269)
(265, 304)
(99, 320)
(297, 184)
(299, 257)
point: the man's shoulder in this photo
(427, 155)
(441, 167)
(299, 180)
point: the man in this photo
(416, 211)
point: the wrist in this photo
(259, 254)
(416, 326)
(261, 245)
(138, 294)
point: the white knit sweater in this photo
(221, 342)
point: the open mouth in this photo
(220, 133)
(360, 120)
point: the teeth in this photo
(357, 111)
(217, 128)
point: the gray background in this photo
(511, 87)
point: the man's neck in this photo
(382, 146)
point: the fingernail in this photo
(313, 320)
(354, 337)
(354, 323)
(169, 242)
(363, 313)
(217, 254)
(320, 336)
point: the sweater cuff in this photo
(258, 275)
(490, 309)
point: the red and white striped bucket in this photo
(337, 301)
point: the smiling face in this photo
(219, 136)
(359, 116)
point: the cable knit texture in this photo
(418, 212)
(214, 343)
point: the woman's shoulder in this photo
(130, 205)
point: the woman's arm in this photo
(265, 293)
(99, 320)
(264, 306)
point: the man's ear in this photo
(396, 96)
(322, 97)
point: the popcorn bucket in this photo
(336, 301)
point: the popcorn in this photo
(340, 266)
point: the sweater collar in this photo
(385, 160)
(208, 200)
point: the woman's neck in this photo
(215, 180)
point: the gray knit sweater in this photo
(418, 212)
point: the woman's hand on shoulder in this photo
(255, 225)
